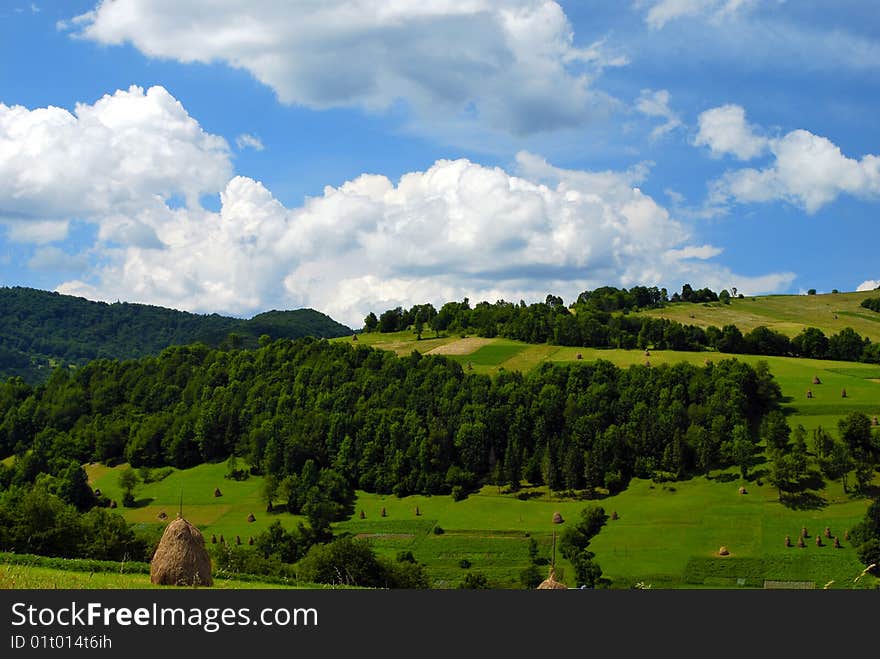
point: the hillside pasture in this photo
(787, 314)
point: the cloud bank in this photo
(134, 165)
(806, 170)
(511, 64)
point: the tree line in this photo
(328, 417)
(604, 321)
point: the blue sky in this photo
(351, 156)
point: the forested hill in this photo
(42, 329)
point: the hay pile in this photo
(181, 558)
(557, 518)
(550, 582)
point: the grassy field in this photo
(43, 578)
(788, 314)
(226, 515)
(666, 535)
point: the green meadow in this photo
(665, 535)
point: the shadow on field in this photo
(803, 501)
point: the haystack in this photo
(217, 492)
(875, 421)
(162, 515)
(557, 518)
(251, 540)
(827, 531)
(354, 337)
(816, 380)
(723, 551)
(843, 393)
(614, 515)
(181, 558)
(788, 541)
(113, 503)
(580, 356)
(743, 490)
(809, 393)
(836, 543)
(550, 582)
(251, 517)
(363, 515)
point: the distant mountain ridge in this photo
(41, 329)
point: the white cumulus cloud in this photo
(456, 229)
(118, 160)
(807, 170)
(725, 131)
(869, 285)
(510, 64)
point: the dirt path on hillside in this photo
(460, 347)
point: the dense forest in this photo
(603, 319)
(39, 329)
(872, 303)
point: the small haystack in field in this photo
(580, 356)
(550, 582)
(875, 421)
(354, 337)
(251, 518)
(113, 503)
(614, 514)
(723, 551)
(383, 513)
(238, 539)
(836, 543)
(743, 490)
(801, 542)
(804, 533)
(788, 541)
(827, 531)
(162, 515)
(181, 558)
(816, 380)
(818, 540)
(557, 518)
(843, 393)
(217, 492)
(251, 540)
(363, 515)
(213, 539)
(809, 393)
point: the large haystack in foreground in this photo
(181, 558)
(550, 582)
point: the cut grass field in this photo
(788, 314)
